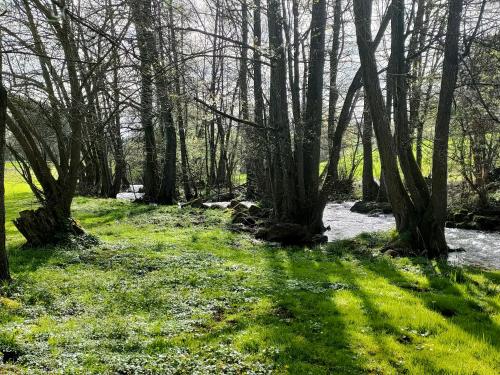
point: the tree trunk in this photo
(293, 213)
(120, 175)
(181, 120)
(167, 193)
(334, 63)
(212, 176)
(141, 15)
(261, 170)
(414, 180)
(298, 122)
(416, 42)
(401, 204)
(439, 197)
(419, 219)
(46, 225)
(370, 187)
(419, 142)
(312, 207)
(284, 182)
(344, 118)
(250, 155)
(4, 262)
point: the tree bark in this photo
(141, 15)
(284, 182)
(334, 64)
(312, 206)
(261, 169)
(369, 186)
(4, 262)
(181, 120)
(167, 193)
(441, 129)
(298, 122)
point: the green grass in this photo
(173, 291)
(347, 154)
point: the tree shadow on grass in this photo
(335, 347)
(23, 260)
(104, 214)
(379, 323)
(466, 310)
(305, 318)
(443, 296)
(491, 276)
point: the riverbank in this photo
(477, 248)
(172, 290)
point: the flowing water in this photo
(481, 248)
(132, 193)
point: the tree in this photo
(282, 166)
(142, 16)
(4, 262)
(64, 120)
(297, 198)
(313, 205)
(259, 168)
(419, 219)
(475, 134)
(102, 138)
(167, 188)
(181, 119)
(439, 197)
(335, 145)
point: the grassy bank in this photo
(173, 291)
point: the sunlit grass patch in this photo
(173, 291)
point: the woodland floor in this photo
(173, 291)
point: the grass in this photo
(347, 155)
(173, 291)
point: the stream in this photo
(481, 248)
(133, 192)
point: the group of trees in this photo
(475, 136)
(186, 95)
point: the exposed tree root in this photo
(41, 227)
